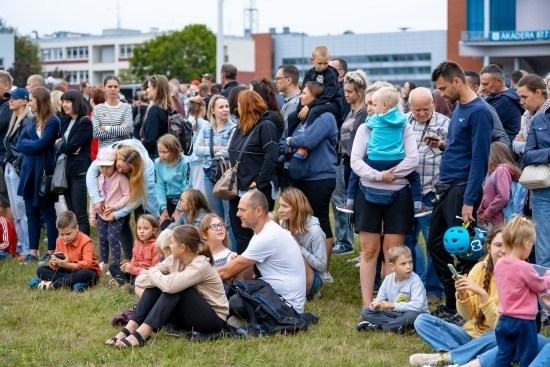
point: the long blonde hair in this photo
(17, 120)
(301, 210)
(132, 158)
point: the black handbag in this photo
(217, 166)
(45, 185)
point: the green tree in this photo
(27, 56)
(184, 54)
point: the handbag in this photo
(60, 183)
(227, 186)
(535, 177)
(217, 166)
(45, 185)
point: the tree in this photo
(185, 54)
(27, 57)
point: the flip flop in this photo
(115, 339)
(139, 338)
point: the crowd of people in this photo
(393, 164)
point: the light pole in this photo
(219, 43)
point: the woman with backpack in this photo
(155, 124)
(503, 171)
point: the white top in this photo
(280, 261)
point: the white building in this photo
(7, 50)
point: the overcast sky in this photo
(359, 16)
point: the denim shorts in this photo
(315, 285)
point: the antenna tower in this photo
(251, 19)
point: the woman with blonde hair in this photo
(297, 217)
(36, 144)
(257, 166)
(55, 98)
(132, 159)
(155, 123)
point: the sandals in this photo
(139, 338)
(114, 339)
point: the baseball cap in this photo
(18, 93)
(105, 157)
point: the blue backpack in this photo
(516, 201)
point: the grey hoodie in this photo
(313, 245)
(182, 219)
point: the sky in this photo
(358, 16)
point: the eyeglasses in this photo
(282, 77)
(217, 226)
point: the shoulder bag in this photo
(45, 188)
(227, 186)
(535, 177)
(60, 183)
(218, 166)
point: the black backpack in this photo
(182, 129)
(268, 312)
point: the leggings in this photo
(109, 236)
(120, 276)
(318, 193)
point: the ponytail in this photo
(204, 250)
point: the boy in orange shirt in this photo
(74, 263)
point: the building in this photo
(395, 57)
(7, 50)
(514, 34)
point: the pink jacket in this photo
(144, 255)
(117, 196)
(495, 198)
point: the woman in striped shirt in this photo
(112, 120)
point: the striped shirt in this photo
(429, 158)
(117, 121)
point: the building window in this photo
(51, 54)
(77, 53)
(77, 77)
(126, 51)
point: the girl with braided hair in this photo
(477, 302)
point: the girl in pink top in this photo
(496, 191)
(114, 188)
(518, 284)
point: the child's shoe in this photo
(80, 287)
(103, 266)
(420, 209)
(33, 283)
(45, 285)
(347, 207)
(367, 326)
(434, 359)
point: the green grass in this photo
(64, 328)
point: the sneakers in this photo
(236, 322)
(355, 259)
(45, 285)
(346, 208)
(33, 283)
(435, 359)
(103, 266)
(341, 249)
(45, 259)
(30, 259)
(327, 278)
(456, 319)
(443, 312)
(367, 326)
(420, 210)
(80, 287)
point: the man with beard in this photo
(462, 170)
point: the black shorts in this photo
(398, 217)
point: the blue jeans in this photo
(488, 358)
(18, 210)
(425, 270)
(541, 213)
(353, 186)
(413, 177)
(4, 255)
(219, 207)
(543, 358)
(446, 337)
(343, 227)
(315, 285)
(47, 211)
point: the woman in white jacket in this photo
(184, 288)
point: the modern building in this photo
(515, 34)
(7, 50)
(395, 57)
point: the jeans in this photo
(543, 358)
(343, 226)
(389, 320)
(425, 270)
(413, 177)
(541, 212)
(446, 337)
(47, 211)
(488, 358)
(18, 210)
(219, 207)
(76, 198)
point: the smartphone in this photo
(453, 270)
(59, 255)
(431, 138)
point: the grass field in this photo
(64, 328)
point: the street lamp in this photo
(219, 43)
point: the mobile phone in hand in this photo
(433, 138)
(59, 255)
(453, 270)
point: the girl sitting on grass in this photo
(193, 208)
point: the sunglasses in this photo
(217, 226)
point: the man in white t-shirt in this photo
(272, 249)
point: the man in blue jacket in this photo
(504, 100)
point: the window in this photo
(50, 54)
(2, 67)
(77, 53)
(126, 51)
(76, 77)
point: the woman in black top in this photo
(155, 124)
(74, 142)
(258, 162)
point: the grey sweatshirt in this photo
(313, 245)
